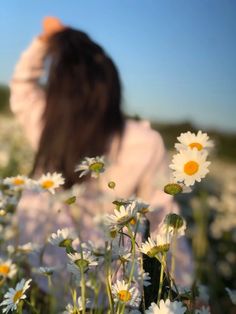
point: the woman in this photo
(77, 113)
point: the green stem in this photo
(133, 263)
(108, 278)
(31, 306)
(172, 267)
(133, 255)
(74, 296)
(82, 283)
(20, 306)
(143, 296)
(161, 278)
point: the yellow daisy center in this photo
(133, 221)
(17, 295)
(18, 181)
(124, 295)
(96, 166)
(197, 145)
(191, 167)
(47, 184)
(4, 269)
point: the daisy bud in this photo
(111, 185)
(173, 188)
(174, 221)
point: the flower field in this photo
(127, 274)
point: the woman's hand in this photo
(51, 25)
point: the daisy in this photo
(50, 181)
(146, 279)
(120, 253)
(192, 140)
(47, 271)
(7, 268)
(152, 247)
(189, 165)
(13, 296)
(18, 182)
(166, 307)
(63, 237)
(84, 260)
(124, 294)
(123, 215)
(142, 278)
(140, 206)
(94, 165)
(28, 248)
(72, 309)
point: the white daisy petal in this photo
(167, 307)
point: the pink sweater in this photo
(139, 168)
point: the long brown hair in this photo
(83, 104)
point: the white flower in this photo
(166, 307)
(123, 215)
(72, 309)
(190, 165)
(13, 296)
(140, 206)
(149, 247)
(192, 140)
(142, 278)
(7, 268)
(232, 295)
(17, 182)
(84, 260)
(28, 248)
(203, 310)
(120, 252)
(146, 279)
(47, 271)
(95, 165)
(153, 247)
(63, 237)
(50, 181)
(124, 294)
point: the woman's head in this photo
(83, 103)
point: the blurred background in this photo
(177, 64)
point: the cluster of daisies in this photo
(47, 182)
(190, 163)
(51, 181)
(121, 258)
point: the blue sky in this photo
(177, 58)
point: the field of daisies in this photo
(127, 273)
